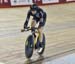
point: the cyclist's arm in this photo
(42, 13)
(27, 19)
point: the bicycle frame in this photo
(35, 38)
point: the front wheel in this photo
(29, 47)
(42, 48)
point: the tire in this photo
(29, 47)
(43, 45)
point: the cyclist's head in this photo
(34, 8)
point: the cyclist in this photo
(38, 16)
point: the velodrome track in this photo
(59, 31)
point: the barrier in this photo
(20, 3)
(4, 3)
(49, 1)
(70, 0)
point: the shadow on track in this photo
(38, 61)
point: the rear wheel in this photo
(29, 47)
(42, 48)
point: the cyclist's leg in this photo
(33, 23)
(40, 29)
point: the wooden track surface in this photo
(59, 31)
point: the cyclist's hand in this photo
(22, 30)
(25, 27)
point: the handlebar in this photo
(28, 28)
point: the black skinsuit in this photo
(37, 17)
